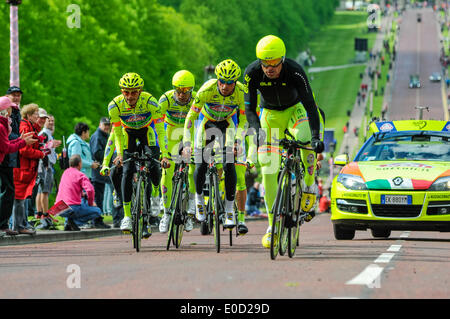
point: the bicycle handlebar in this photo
(288, 143)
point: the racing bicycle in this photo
(140, 207)
(287, 213)
(179, 204)
(215, 208)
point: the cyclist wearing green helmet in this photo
(135, 110)
(215, 104)
(175, 105)
(287, 102)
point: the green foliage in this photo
(73, 72)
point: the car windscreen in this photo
(407, 147)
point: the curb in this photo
(49, 236)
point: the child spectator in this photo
(25, 175)
(45, 169)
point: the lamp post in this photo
(14, 79)
(209, 72)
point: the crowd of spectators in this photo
(27, 172)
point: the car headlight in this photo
(353, 182)
(441, 184)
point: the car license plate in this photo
(396, 199)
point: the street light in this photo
(14, 79)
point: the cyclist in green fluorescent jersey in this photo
(215, 104)
(135, 109)
(175, 105)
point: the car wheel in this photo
(343, 233)
(381, 233)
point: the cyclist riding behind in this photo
(134, 109)
(241, 187)
(287, 102)
(175, 105)
(215, 104)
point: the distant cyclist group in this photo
(236, 124)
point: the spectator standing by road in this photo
(45, 169)
(71, 187)
(11, 160)
(6, 173)
(77, 145)
(25, 176)
(98, 144)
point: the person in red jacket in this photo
(25, 176)
(6, 147)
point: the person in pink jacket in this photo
(6, 147)
(71, 187)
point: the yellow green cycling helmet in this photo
(183, 79)
(270, 48)
(228, 70)
(131, 81)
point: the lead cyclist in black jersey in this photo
(287, 102)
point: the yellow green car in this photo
(399, 180)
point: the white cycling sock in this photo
(229, 206)
(199, 199)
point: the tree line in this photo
(72, 67)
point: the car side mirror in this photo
(341, 159)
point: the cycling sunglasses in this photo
(185, 90)
(132, 92)
(227, 82)
(273, 63)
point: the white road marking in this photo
(384, 258)
(405, 234)
(367, 277)
(394, 248)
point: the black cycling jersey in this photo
(291, 87)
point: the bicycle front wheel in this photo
(214, 198)
(284, 209)
(293, 239)
(137, 216)
(278, 217)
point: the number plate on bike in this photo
(396, 199)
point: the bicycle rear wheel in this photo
(180, 215)
(294, 231)
(172, 210)
(285, 208)
(170, 234)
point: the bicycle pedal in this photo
(127, 232)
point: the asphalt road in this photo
(407, 265)
(418, 53)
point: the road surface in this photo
(418, 53)
(407, 265)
